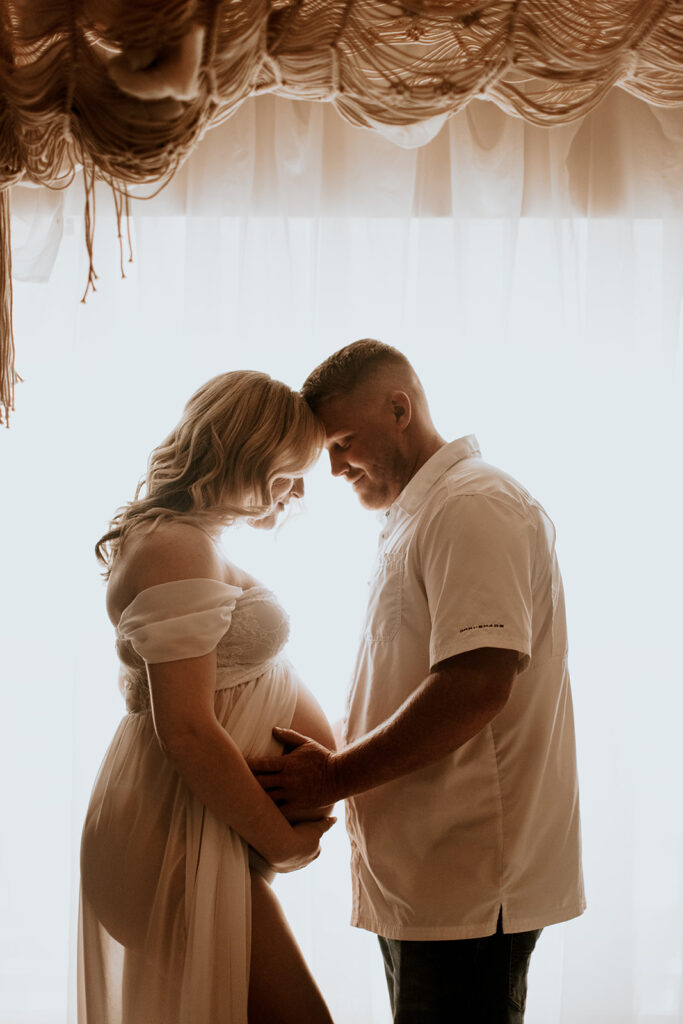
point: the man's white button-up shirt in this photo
(467, 559)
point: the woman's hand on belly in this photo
(299, 814)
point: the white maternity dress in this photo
(165, 922)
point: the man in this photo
(458, 762)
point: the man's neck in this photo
(430, 446)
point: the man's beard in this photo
(380, 491)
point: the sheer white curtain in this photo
(534, 278)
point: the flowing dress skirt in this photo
(165, 913)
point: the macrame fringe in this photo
(122, 207)
(89, 222)
(127, 90)
(8, 375)
(122, 210)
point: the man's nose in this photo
(338, 463)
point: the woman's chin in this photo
(269, 521)
(264, 522)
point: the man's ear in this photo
(402, 409)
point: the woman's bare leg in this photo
(281, 987)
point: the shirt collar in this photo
(413, 494)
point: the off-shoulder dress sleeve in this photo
(180, 619)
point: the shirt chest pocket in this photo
(385, 599)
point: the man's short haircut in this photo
(347, 369)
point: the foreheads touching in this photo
(376, 418)
(239, 451)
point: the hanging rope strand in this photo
(8, 374)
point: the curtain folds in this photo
(534, 278)
(279, 157)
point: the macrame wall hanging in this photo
(125, 89)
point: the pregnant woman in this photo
(178, 923)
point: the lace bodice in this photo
(187, 618)
(259, 630)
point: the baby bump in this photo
(310, 720)
(249, 712)
(133, 843)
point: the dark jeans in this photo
(459, 981)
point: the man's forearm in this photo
(451, 706)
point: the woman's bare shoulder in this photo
(167, 551)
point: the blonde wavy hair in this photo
(238, 433)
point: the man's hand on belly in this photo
(459, 698)
(302, 781)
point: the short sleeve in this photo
(477, 561)
(180, 619)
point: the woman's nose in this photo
(298, 487)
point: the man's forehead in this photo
(340, 413)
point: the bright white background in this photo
(551, 332)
